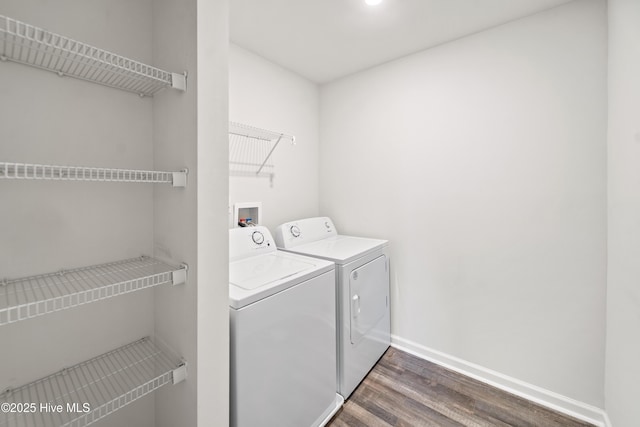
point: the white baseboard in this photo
(550, 399)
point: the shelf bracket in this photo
(179, 81)
(180, 373)
(179, 277)
(270, 153)
(180, 178)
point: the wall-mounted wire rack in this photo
(34, 296)
(251, 148)
(93, 389)
(81, 173)
(30, 45)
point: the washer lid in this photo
(340, 249)
(254, 278)
(259, 271)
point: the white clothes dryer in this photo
(362, 292)
(282, 320)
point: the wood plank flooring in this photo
(405, 391)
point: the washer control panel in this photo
(249, 241)
(291, 234)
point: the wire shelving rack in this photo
(251, 148)
(35, 296)
(26, 44)
(31, 171)
(81, 395)
(115, 379)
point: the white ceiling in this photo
(323, 40)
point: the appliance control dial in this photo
(295, 231)
(258, 237)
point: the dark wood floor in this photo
(403, 390)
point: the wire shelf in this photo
(250, 149)
(83, 394)
(35, 296)
(29, 45)
(81, 173)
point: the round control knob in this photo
(295, 231)
(258, 237)
(326, 224)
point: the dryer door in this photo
(369, 296)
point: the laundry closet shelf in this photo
(251, 148)
(30, 45)
(93, 389)
(82, 173)
(35, 296)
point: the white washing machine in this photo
(362, 292)
(282, 318)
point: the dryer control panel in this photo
(292, 234)
(249, 241)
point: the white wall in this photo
(483, 162)
(213, 193)
(623, 292)
(265, 95)
(175, 216)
